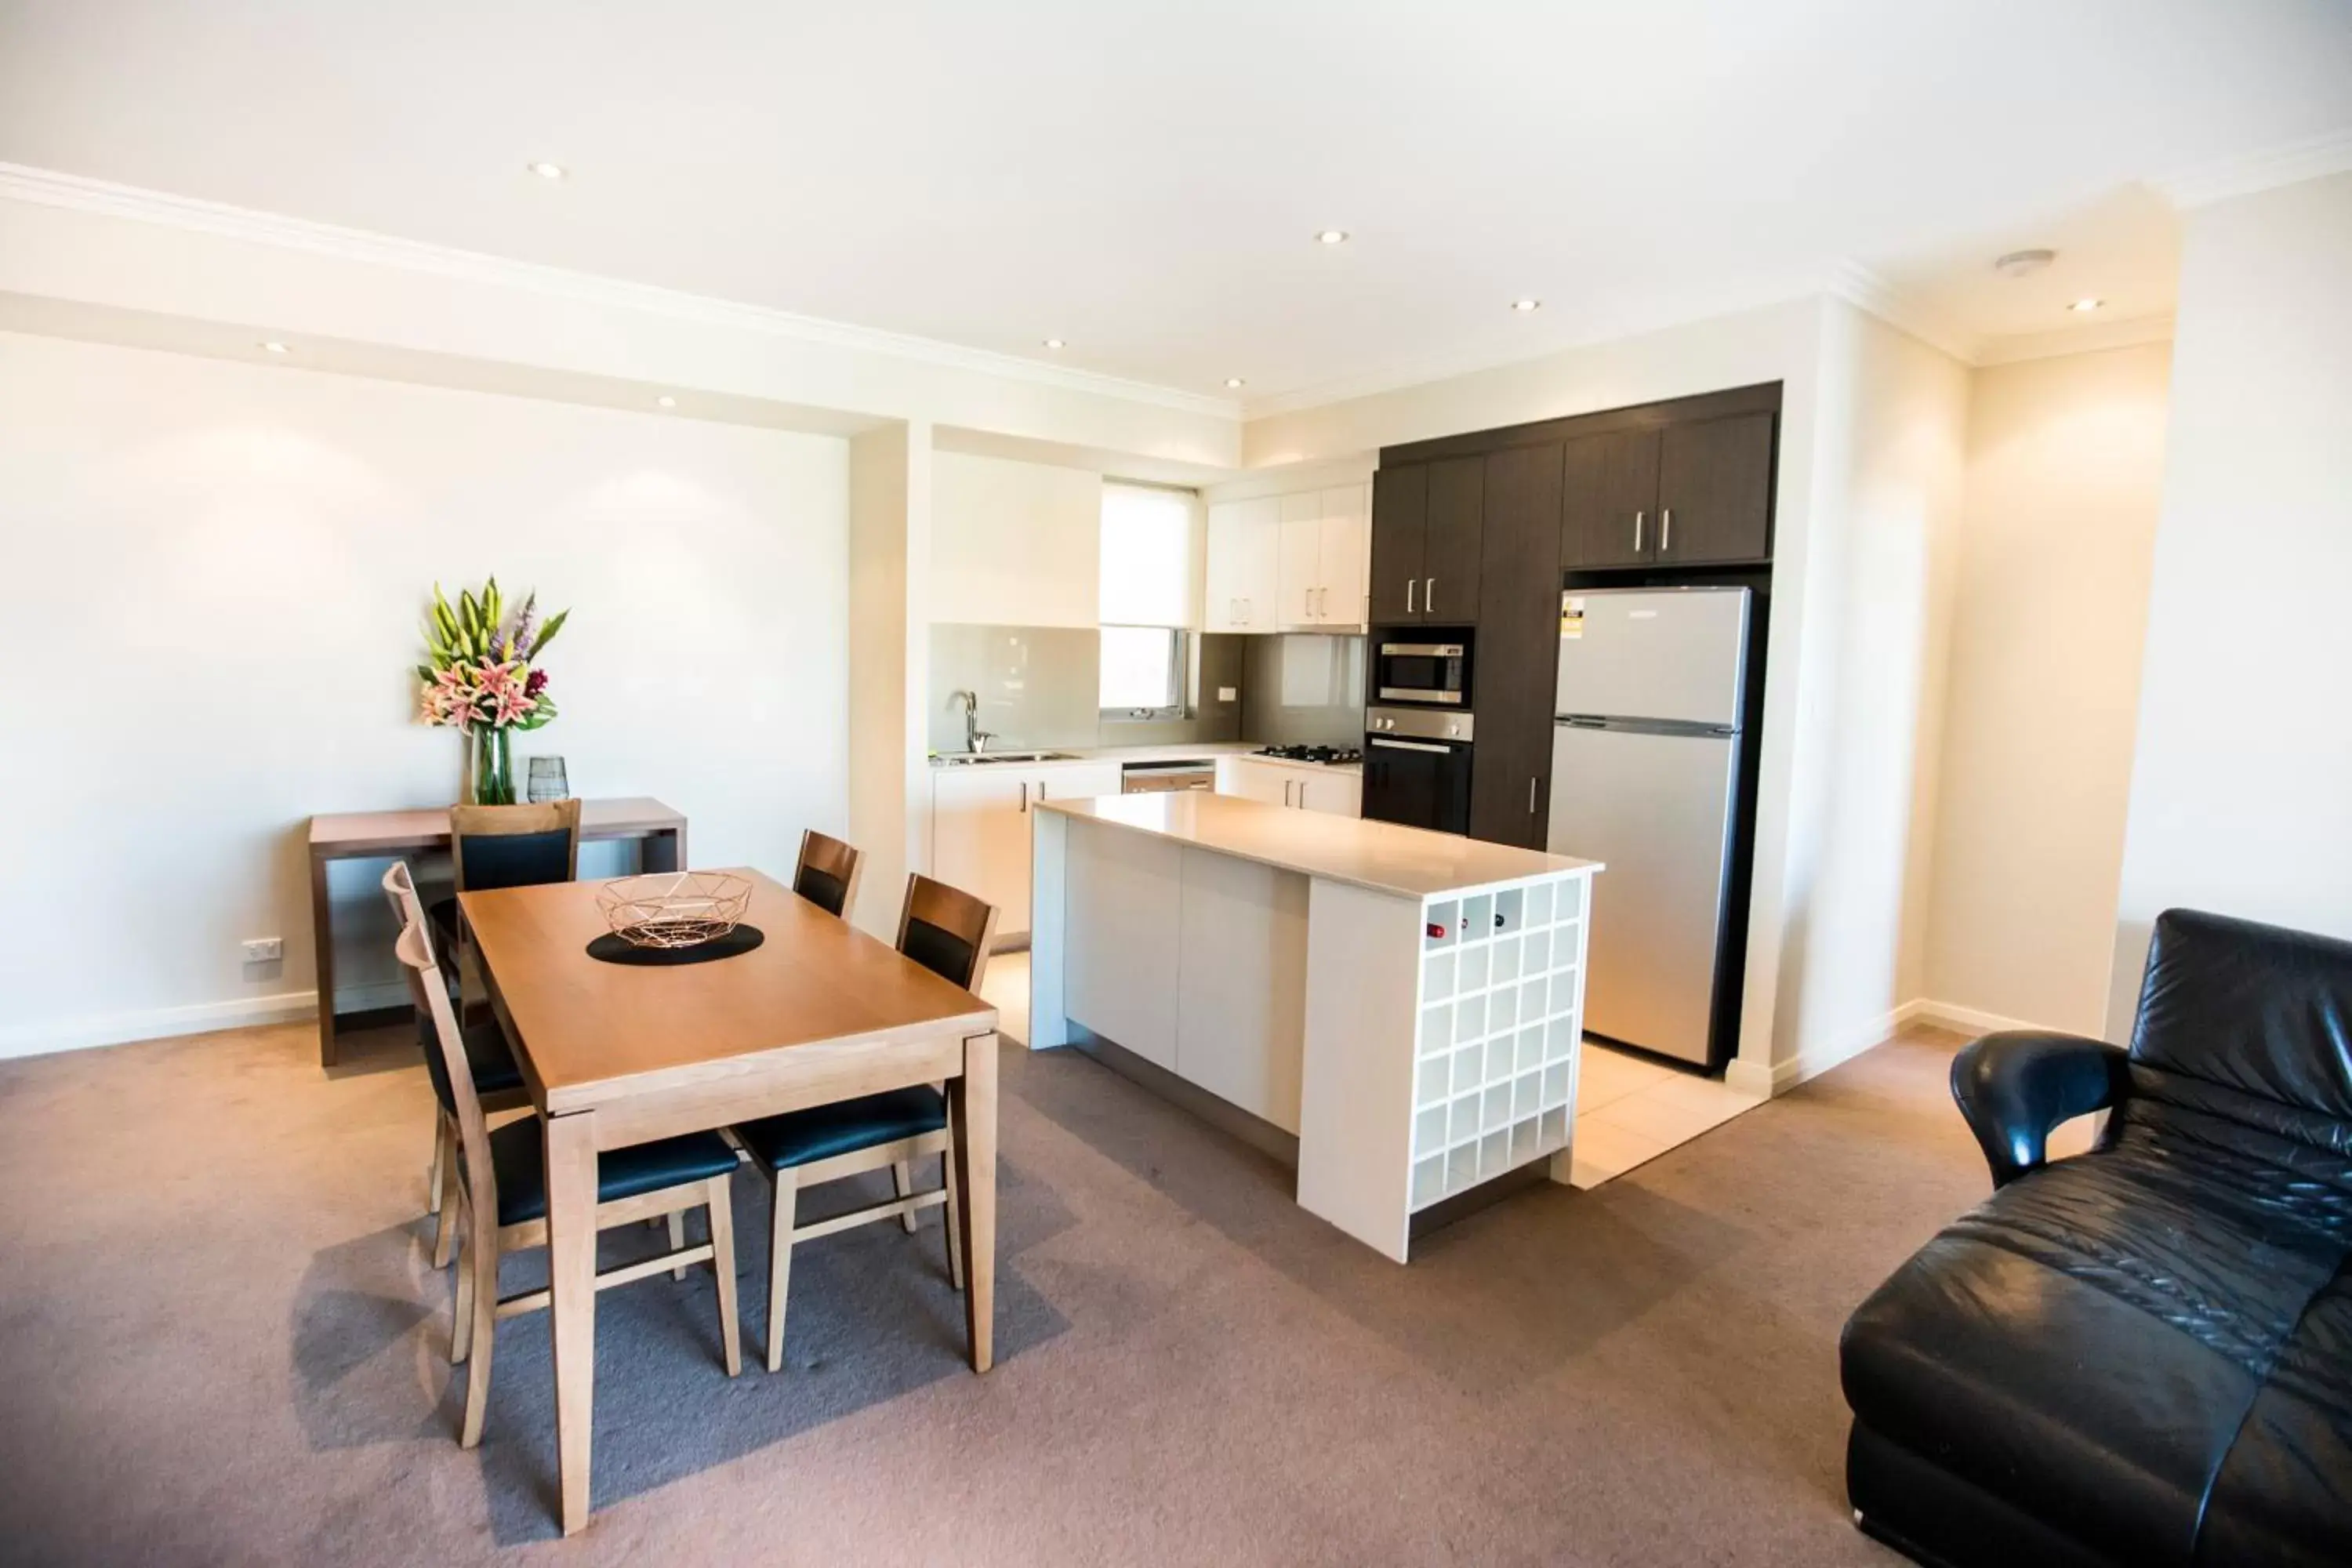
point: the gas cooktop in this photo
(1334, 755)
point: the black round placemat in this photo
(613, 948)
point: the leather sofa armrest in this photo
(2016, 1085)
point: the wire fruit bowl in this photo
(675, 909)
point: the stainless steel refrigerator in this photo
(1645, 776)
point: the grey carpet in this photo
(220, 1342)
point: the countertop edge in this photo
(1068, 808)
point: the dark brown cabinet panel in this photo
(1715, 491)
(1609, 515)
(1450, 565)
(1400, 532)
(1518, 646)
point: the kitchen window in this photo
(1149, 565)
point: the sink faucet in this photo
(976, 739)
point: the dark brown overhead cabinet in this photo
(1428, 520)
(1715, 491)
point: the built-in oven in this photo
(1417, 767)
(1433, 673)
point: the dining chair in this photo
(501, 1192)
(947, 932)
(498, 1081)
(827, 873)
(504, 846)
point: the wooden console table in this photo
(388, 835)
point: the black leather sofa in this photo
(2141, 1355)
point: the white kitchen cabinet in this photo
(1322, 560)
(1015, 544)
(1245, 571)
(1304, 786)
(980, 827)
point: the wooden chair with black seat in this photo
(500, 1193)
(498, 1081)
(827, 873)
(947, 932)
(503, 846)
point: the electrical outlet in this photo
(1229, 694)
(265, 950)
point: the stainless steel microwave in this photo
(1437, 673)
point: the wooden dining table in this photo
(617, 1054)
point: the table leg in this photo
(971, 1106)
(662, 851)
(323, 944)
(572, 1279)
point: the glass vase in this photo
(493, 782)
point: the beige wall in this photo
(2065, 461)
(2242, 776)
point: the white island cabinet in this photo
(1404, 1009)
(980, 827)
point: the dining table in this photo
(620, 1054)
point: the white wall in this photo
(1874, 575)
(2241, 777)
(211, 577)
(2065, 468)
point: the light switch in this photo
(1229, 694)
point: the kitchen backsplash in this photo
(1301, 690)
(1039, 688)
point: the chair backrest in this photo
(947, 930)
(2256, 1010)
(453, 1074)
(514, 845)
(827, 873)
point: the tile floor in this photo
(1629, 1109)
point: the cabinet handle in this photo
(1531, 794)
(1408, 595)
(1665, 530)
(1025, 795)
(1041, 789)
(1428, 594)
(1637, 533)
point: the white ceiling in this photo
(1145, 179)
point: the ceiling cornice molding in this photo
(1430, 369)
(2088, 340)
(1866, 290)
(77, 192)
(2292, 162)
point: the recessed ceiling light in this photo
(274, 347)
(1056, 343)
(546, 170)
(1524, 306)
(667, 401)
(2084, 307)
(1331, 237)
(1234, 381)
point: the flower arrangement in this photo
(481, 678)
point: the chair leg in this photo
(780, 1261)
(461, 1311)
(677, 1241)
(482, 1242)
(955, 1230)
(722, 1263)
(902, 1179)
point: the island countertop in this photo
(1380, 857)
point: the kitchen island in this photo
(1399, 1011)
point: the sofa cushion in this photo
(2284, 1496)
(2085, 1344)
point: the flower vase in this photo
(493, 770)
